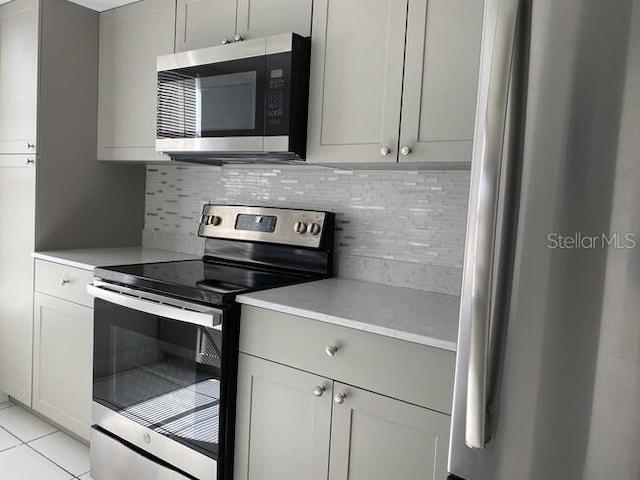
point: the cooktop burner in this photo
(199, 280)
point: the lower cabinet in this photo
(283, 422)
(17, 208)
(293, 425)
(63, 347)
(377, 437)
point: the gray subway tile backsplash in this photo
(403, 228)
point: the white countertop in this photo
(90, 258)
(420, 317)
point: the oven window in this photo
(161, 373)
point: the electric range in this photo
(166, 341)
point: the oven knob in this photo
(214, 220)
(299, 227)
(225, 40)
(313, 229)
(146, 438)
(204, 220)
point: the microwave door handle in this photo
(209, 319)
(484, 228)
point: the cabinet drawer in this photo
(404, 370)
(64, 282)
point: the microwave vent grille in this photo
(177, 106)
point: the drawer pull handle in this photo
(65, 281)
(319, 390)
(331, 350)
(339, 398)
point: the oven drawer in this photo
(404, 370)
(67, 283)
(111, 459)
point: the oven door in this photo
(157, 376)
(215, 107)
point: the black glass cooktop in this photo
(200, 280)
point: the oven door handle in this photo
(157, 305)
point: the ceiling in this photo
(98, 5)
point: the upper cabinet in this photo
(260, 18)
(393, 80)
(131, 38)
(204, 23)
(356, 80)
(440, 80)
(18, 76)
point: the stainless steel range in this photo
(166, 341)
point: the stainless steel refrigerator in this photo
(548, 369)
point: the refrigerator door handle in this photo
(483, 227)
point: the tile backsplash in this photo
(403, 228)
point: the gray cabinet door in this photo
(131, 38)
(440, 80)
(17, 220)
(18, 76)
(260, 18)
(378, 438)
(282, 427)
(204, 23)
(62, 361)
(356, 80)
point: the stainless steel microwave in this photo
(244, 100)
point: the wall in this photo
(403, 228)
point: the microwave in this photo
(246, 100)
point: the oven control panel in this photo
(303, 228)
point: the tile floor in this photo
(31, 449)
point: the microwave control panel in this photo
(275, 95)
(278, 94)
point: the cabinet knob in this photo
(225, 40)
(30, 146)
(331, 350)
(384, 151)
(29, 161)
(319, 390)
(238, 38)
(405, 150)
(65, 281)
(339, 398)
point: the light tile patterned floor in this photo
(31, 449)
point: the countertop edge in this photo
(92, 258)
(63, 261)
(355, 324)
